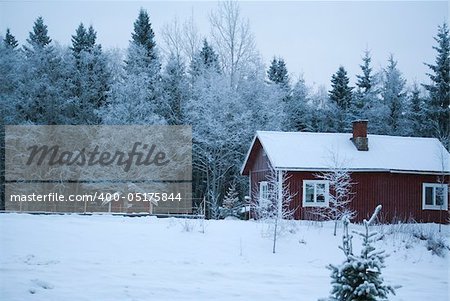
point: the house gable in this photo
(257, 159)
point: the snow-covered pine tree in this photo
(278, 73)
(272, 72)
(278, 77)
(230, 203)
(394, 97)
(142, 56)
(11, 61)
(44, 66)
(365, 94)
(11, 66)
(416, 113)
(297, 108)
(83, 40)
(136, 98)
(175, 91)
(9, 40)
(439, 88)
(206, 60)
(364, 82)
(38, 38)
(359, 278)
(341, 94)
(144, 36)
(91, 77)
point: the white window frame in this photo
(315, 203)
(444, 206)
(262, 185)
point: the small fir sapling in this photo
(358, 278)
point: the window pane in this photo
(309, 194)
(439, 196)
(429, 195)
(264, 191)
(320, 193)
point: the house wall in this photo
(259, 172)
(400, 194)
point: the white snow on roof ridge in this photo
(320, 150)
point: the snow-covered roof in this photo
(319, 151)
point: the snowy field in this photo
(79, 258)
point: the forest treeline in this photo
(218, 84)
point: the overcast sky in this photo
(313, 37)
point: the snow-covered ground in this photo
(72, 257)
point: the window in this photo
(315, 193)
(263, 190)
(434, 196)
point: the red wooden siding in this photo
(260, 168)
(399, 194)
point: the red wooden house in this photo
(408, 176)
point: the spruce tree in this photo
(341, 97)
(175, 88)
(297, 108)
(364, 82)
(143, 34)
(439, 89)
(46, 68)
(359, 278)
(416, 113)
(366, 104)
(341, 92)
(91, 81)
(278, 75)
(38, 38)
(205, 60)
(394, 97)
(272, 73)
(278, 72)
(142, 55)
(137, 98)
(9, 40)
(83, 39)
(91, 36)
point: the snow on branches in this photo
(359, 277)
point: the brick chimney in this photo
(359, 138)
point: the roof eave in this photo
(322, 169)
(243, 168)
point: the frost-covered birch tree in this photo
(218, 117)
(340, 192)
(234, 40)
(273, 205)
